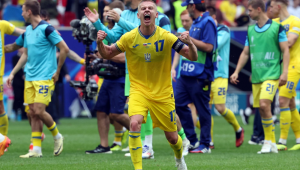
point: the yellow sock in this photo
(231, 119)
(285, 122)
(37, 138)
(273, 133)
(118, 136)
(268, 128)
(212, 129)
(198, 124)
(3, 124)
(136, 150)
(177, 148)
(53, 129)
(295, 122)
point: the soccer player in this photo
(42, 72)
(194, 83)
(265, 55)
(149, 68)
(125, 23)
(5, 28)
(289, 115)
(220, 85)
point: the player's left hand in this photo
(55, 77)
(282, 79)
(9, 80)
(185, 38)
(112, 14)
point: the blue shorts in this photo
(111, 98)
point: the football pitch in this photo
(82, 134)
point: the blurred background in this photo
(69, 104)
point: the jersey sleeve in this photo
(177, 45)
(282, 35)
(121, 44)
(295, 27)
(247, 42)
(52, 35)
(112, 35)
(20, 40)
(223, 37)
(8, 27)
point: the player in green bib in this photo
(266, 44)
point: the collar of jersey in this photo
(284, 19)
(133, 10)
(41, 23)
(263, 28)
(205, 14)
(150, 35)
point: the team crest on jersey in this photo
(287, 27)
(147, 45)
(147, 57)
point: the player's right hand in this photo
(282, 79)
(9, 80)
(101, 36)
(234, 78)
(90, 15)
(173, 74)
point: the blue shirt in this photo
(180, 30)
(128, 21)
(282, 34)
(224, 52)
(20, 40)
(207, 35)
(41, 50)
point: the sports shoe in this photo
(180, 163)
(239, 136)
(99, 149)
(148, 152)
(115, 147)
(127, 154)
(295, 147)
(185, 147)
(211, 145)
(281, 147)
(58, 146)
(201, 149)
(125, 137)
(268, 147)
(32, 154)
(192, 147)
(4, 145)
(126, 149)
(255, 141)
(245, 118)
(31, 144)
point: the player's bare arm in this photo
(206, 47)
(286, 60)
(11, 47)
(241, 63)
(174, 65)
(75, 57)
(190, 51)
(64, 50)
(292, 38)
(22, 61)
(18, 31)
(107, 52)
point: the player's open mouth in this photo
(147, 16)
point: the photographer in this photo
(111, 99)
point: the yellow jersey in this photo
(149, 62)
(292, 26)
(5, 28)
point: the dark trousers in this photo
(192, 90)
(258, 131)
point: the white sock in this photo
(148, 140)
(37, 149)
(124, 129)
(298, 140)
(239, 130)
(58, 136)
(282, 141)
(118, 143)
(2, 137)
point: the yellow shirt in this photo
(229, 10)
(149, 62)
(5, 28)
(292, 26)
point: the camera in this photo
(83, 30)
(105, 69)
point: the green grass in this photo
(82, 134)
